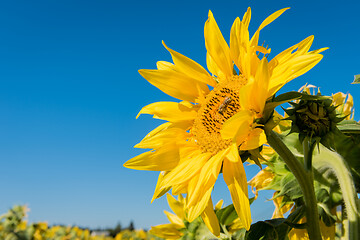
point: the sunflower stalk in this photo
(333, 161)
(305, 180)
(308, 149)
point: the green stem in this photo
(308, 149)
(305, 179)
(333, 161)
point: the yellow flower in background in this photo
(327, 233)
(40, 230)
(345, 103)
(206, 130)
(176, 228)
(261, 180)
(280, 207)
(172, 229)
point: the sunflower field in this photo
(14, 226)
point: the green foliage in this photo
(326, 189)
(277, 228)
(14, 227)
(226, 215)
(348, 146)
(356, 79)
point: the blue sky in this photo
(70, 91)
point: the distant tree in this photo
(131, 226)
(114, 231)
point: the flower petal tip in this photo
(210, 14)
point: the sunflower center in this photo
(220, 104)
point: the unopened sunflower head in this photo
(316, 119)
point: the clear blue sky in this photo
(70, 92)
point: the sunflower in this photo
(217, 116)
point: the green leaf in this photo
(348, 146)
(295, 216)
(239, 235)
(356, 79)
(277, 228)
(260, 230)
(290, 187)
(349, 126)
(289, 96)
(226, 215)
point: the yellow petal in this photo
(348, 106)
(255, 139)
(186, 169)
(213, 68)
(167, 231)
(176, 206)
(247, 17)
(210, 219)
(217, 46)
(174, 219)
(319, 50)
(162, 134)
(271, 18)
(236, 125)
(327, 233)
(163, 65)
(292, 63)
(292, 69)
(175, 84)
(200, 191)
(219, 204)
(235, 44)
(233, 154)
(260, 87)
(280, 209)
(240, 50)
(261, 180)
(159, 189)
(158, 129)
(175, 135)
(236, 225)
(190, 68)
(163, 159)
(297, 50)
(267, 21)
(235, 178)
(338, 98)
(304, 45)
(170, 111)
(179, 189)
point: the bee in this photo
(224, 104)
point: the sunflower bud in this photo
(315, 119)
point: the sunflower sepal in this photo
(253, 155)
(290, 96)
